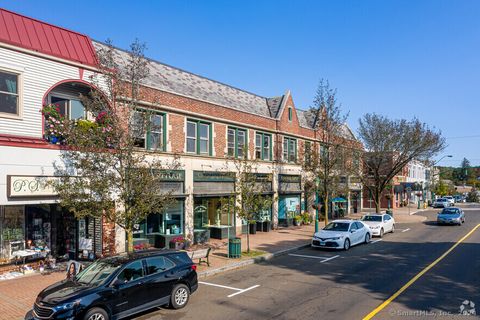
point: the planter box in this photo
(266, 226)
(260, 226)
(178, 245)
(252, 228)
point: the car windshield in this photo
(337, 226)
(441, 200)
(96, 273)
(372, 218)
(450, 211)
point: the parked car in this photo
(120, 286)
(450, 199)
(451, 216)
(441, 203)
(342, 234)
(379, 223)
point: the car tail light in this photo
(194, 267)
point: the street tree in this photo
(250, 190)
(324, 164)
(104, 173)
(390, 145)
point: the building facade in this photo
(201, 120)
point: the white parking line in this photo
(408, 229)
(305, 256)
(328, 259)
(219, 285)
(376, 241)
(239, 291)
(244, 290)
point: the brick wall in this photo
(108, 237)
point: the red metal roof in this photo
(39, 36)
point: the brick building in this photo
(200, 119)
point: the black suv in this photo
(120, 286)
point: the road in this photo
(319, 284)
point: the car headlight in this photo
(67, 306)
(316, 238)
(336, 238)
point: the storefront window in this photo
(12, 236)
(169, 222)
(208, 212)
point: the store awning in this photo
(338, 199)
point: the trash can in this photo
(234, 248)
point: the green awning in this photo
(338, 199)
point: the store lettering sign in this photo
(213, 176)
(171, 175)
(30, 186)
(289, 178)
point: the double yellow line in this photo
(421, 273)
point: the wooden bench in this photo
(200, 255)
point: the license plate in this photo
(322, 243)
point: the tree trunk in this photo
(129, 240)
(248, 241)
(326, 208)
(378, 200)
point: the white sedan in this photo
(379, 223)
(342, 234)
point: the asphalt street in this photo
(323, 284)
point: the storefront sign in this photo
(213, 176)
(289, 183)
(289, 178)
(31, 186)
(263, 177)
(171, 175)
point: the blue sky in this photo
(399, 58)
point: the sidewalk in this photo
(18, 295)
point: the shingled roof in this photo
(170, 79)
(167, 78)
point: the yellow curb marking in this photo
(421, 273)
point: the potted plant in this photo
(252, 226)
(297, 220)
(178, 243)
(54, 123)
(260, 225)
(267, 225)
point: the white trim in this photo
(47, 56)
(19, 114)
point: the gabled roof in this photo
(170, 79)
(45, 38)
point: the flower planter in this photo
(178, 245)
(296, 222)
(252, 228)
(266, 226)
(260, 226)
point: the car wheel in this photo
(346, 244)
(180, 296)
(393, 228)
(96, 314)
(367, 238)
(381, 233)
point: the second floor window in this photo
(72, 109)
(148, 130)
(9, 93)
(289, 149)
(199, 137)
(263, 146)
(236, 142)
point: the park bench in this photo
(201, 254)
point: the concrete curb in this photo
(244, 263)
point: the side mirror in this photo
(117, 283)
